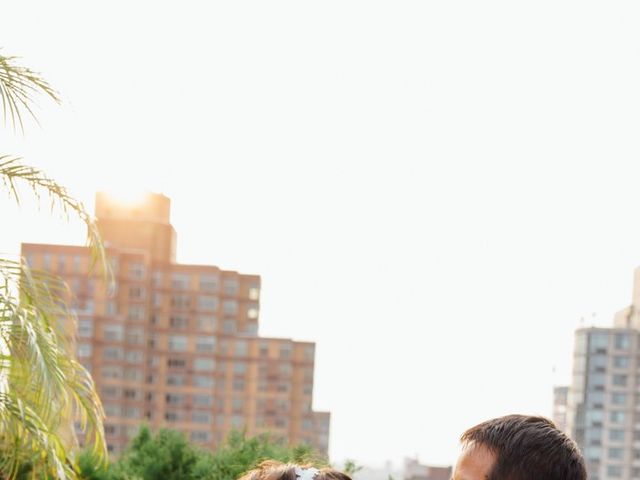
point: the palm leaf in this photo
(18, 87)
(13, 172)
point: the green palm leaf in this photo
(43, 388)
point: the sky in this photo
(434, 192)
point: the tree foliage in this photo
(168, 455)
(43, 389)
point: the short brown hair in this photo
(274, 470)
(527, 448)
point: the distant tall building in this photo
(603, 411)
(560, 395)
(177, 345)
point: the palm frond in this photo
(38, 366)
(13, 172)
(18, 87)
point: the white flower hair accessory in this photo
(306, 473)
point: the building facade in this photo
(603, 402)
(560, 399)
(175, 345)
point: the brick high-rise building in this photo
(177, 345)
(603, 402)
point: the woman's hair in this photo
(274, 470)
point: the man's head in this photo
(518, 447)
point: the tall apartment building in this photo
(603, 408)
(177, 345)
(560, 399)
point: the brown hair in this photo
(527, 448)
(274, 470)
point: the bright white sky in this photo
(434, 192)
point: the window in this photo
(157, 299)
(229, 326)
(208, 302)
(178, 321)
(238, 385)
(620, 361)
(156, 279)
(254, 292)
(112, 410)
(84, 349)
(237, 421)
(76, 264)
(62, 263)
(619, 398)
(201, 400)
(285, 350)
(203, 381)
(176, 363)
(239, 368)
(201, 417)
(230, 286)
(113, 332)
(131, 394)
(173, 416)
(309, 352)
(136, 312)
(86, 308)
(616, 434)
(135, 336)
(174, 399)
(91, 287)
(134, 374)
(112, 308)
(110, 392)
(242, 348)
(111, 371)
(175, 379)
(230, 307)
(177, 343)
(207, 323)
(252, 311)
(180, 281)
(46, 261)
(85, 328)
(251, 329)
(203, 364)
(237, 404)
(614, 471)
(622, 341)
(619, 380)
(136, 292)
(209, 283)
(111, 430)
(136, 271)
(205, 344)
(616, 416)
(131, 412)
(180, 301)
(135, 356)
(112, 353)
